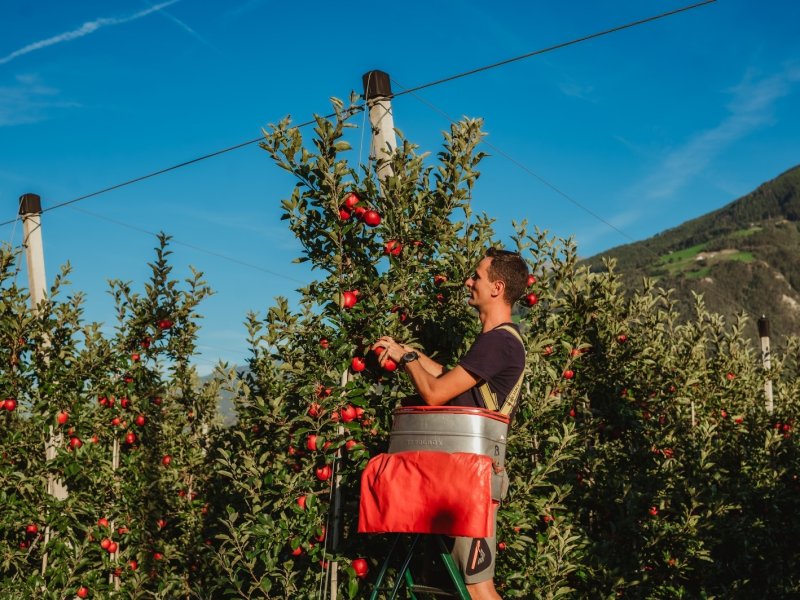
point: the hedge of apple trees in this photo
(129, 432)
(643, 462)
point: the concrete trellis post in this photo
(378, 94)
(30, 209)
(763, 333)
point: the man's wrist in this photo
(408, 357)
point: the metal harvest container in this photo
(450, 429)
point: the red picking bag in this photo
(427, 492)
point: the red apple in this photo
(62, 417)
(124, 402)
(166, 459)
(439, 279)
(311, 442)
(323, 473)
(389, 365)
(165, 324)
(301, 501)
(359, 212)
(10, 404)
(531, 280)
(730, 376)
(161, 523)
(361, 567)
(323, 343)
(105, 543)
(130, 437)
(297, 551)
(622, 338)
(393, 247)
(358, 364)
(351, 200)
(349, 413)
(344, 215)
(531, 299)
(115, 422)
(157, 556)
(140, 420)
(314, 410)
(653, 511)
(350, 444)
(145, 343)
(82, 592)
(548, 350)
(32, 529)
(568, 374)
(75, 443)
(349, 299)
(320, 537)
(133, 565)
(372, 218)
(501, 546)
(135, 357)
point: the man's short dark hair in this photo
(510, 268)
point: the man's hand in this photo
(435, 385)
(390, 349)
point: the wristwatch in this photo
(408, 357)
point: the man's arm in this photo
(435, 385)
(436, 391)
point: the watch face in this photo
(409, 356)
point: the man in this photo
(497, 359)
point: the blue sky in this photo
(645, 128)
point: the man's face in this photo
(479, 286)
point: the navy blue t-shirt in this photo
(496, 357)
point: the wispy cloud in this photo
(589, 237)
(572, 88)
(185, 27)
(243, 9)
(29, 100)
(83, 30)
(751, 108)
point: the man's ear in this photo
(498, 287)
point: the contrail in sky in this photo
(85, 29)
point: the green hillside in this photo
(744, 257)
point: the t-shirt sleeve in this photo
(492, 352)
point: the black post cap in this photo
(30, 204)
(376, 85)
(763, 327)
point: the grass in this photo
(685, 261)
(743, 233)
(682, 260)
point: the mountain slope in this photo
(743, 257)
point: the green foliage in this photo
(643, 460)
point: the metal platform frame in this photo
(404, 574)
